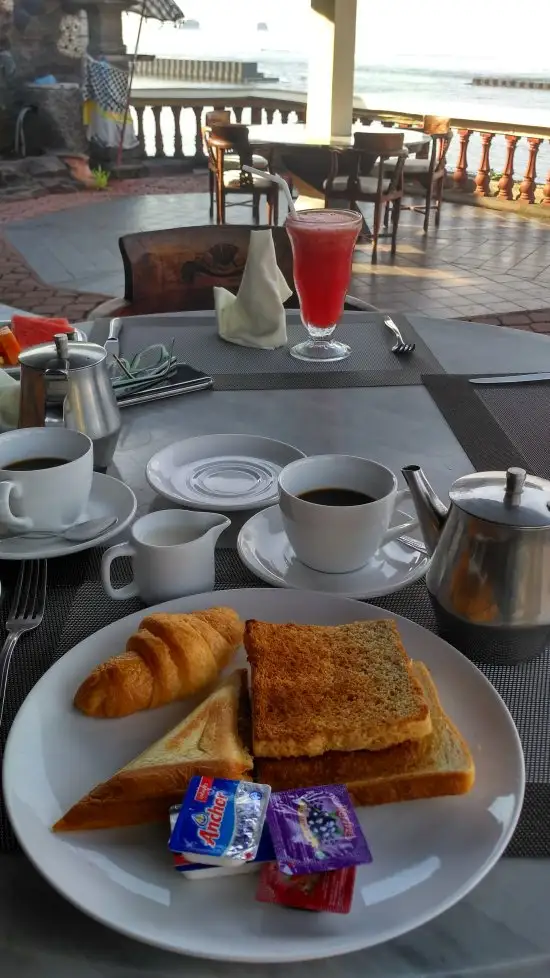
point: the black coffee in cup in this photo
(335, 497)
(33, 464)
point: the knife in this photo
(511, 379)
(112, 344)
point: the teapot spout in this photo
(431, 512)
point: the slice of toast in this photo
(439, 764)
(207, 742)
(322, 688)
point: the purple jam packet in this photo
(315, 829)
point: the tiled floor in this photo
(480, 262)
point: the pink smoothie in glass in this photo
(322, 244)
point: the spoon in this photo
(79, 533)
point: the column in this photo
(331, 40)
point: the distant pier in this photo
(539, 84)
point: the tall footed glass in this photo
(322, 245)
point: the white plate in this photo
(221, 472)
(427, 854)
(265, 549)
(109, 497)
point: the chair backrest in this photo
(378, 143)
(436, 125)
(175, 270)
(217, 116)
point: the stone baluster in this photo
(139, 110)
(460, 175)
(159, 141)
(238, 110)
(200, 155)
(506, 182)
(482, 180)
(546, 191)
(527, 185)
(178, 147)
(269, 115)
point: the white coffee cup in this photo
(44, 498)
(339, 539)
(172, 555)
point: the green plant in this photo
(101, 178)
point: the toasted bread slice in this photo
(207, 742)
(321, 688)
(439, 764)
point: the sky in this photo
(492, 35)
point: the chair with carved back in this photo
(365, 180)
(231, 160)
(430, 171)
(175, 270)
(232, 140)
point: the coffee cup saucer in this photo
(265, 549)
(109, 497)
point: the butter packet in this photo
(199, 871)
(221, 821)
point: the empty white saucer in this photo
(109, 497)
(221, 472)
(264, 547)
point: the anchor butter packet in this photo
(221, 821)
(316, 829)
(199, 871)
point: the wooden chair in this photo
(367, 181)
(232, 139)
(429, 172)
(231, 160)
(175, 270)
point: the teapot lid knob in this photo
(61, 341)
(515, 482)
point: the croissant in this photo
(168, 658)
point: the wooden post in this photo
(460, 175)
(269, 115)
(178, 148)
(527, 185)
(482, 180)
(159, 141)
(284, 115)
(506, 182)
(256, 116)
(238, 110)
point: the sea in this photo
(428, 85)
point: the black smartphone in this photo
(185, 380)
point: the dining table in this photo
(296, 134)
(501, 927)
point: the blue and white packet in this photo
(198, 871)
(220, 822)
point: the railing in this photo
(255, 107)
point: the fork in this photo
(26, 614)
(399, 346)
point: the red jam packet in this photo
(331, 892)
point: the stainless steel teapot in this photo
(68, 383)
(489, 577)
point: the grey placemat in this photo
(78, 606)
(497, 426)
(371, 364)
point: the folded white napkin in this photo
(9, 402)
(255, 316)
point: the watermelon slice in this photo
(32, 330)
